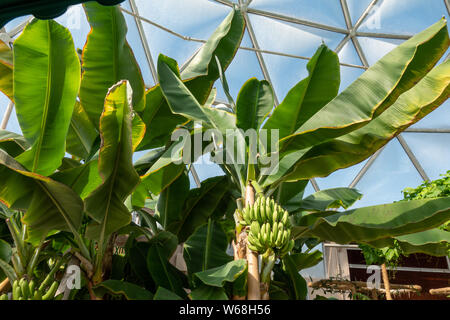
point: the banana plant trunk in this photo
(254, 291)
(387, 285)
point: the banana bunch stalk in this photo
(24, 289)
(270, 229)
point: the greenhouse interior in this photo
(224, 150)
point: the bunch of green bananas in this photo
(24, 289)
(270, 228)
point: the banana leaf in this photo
(46, 83)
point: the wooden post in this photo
(387, 285)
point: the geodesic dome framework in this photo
(280, 38)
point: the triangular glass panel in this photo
(321, 11)
(10, 26)
(348, 75)
(75, 20)
(291, 38)
(349, 55)
(4, 101)
(390, 173)
(431, 150)
(13, 123)
(376, 48)
(244, 66)
(285, 72)
(193, 18)
(340, 178)
(403, 17)
(309, 190)
(136, 45)
(205, 168)
(357, 8)
(163, 42)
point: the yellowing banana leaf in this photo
(106, 203)
(308, 96)
(6, 70)
(107, 58)
(354, 147)
(49, 205)
(378, 222)
(254, 102)
(46, 83)
(199, 76)
(376, 90)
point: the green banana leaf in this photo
(204, 292)
(378, 222)
(199, 76)
(200, 205)
(8, 271)
(216, 277)
(308, 96)
(46, 83)
(164, 294)
(148, 159)
(82, 133)
(13, 143)
(254, 102)
(123, 288)
(354, 147)
(296, 282)
(434, 242)
(206, 248)
(49, 205)
(171, 163)
(162, 272)
(331, 199)
(83, 179)
(179, 98)
(6, 70)
(304, 260)
(106, 203)
(107, 59)
(169, 209)
(376, 90)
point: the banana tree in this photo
(95, 108)
(313, 132)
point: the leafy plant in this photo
(315, 138)
(97, 109)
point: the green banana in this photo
(268, 226)
(51, 292)
(25, 289)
